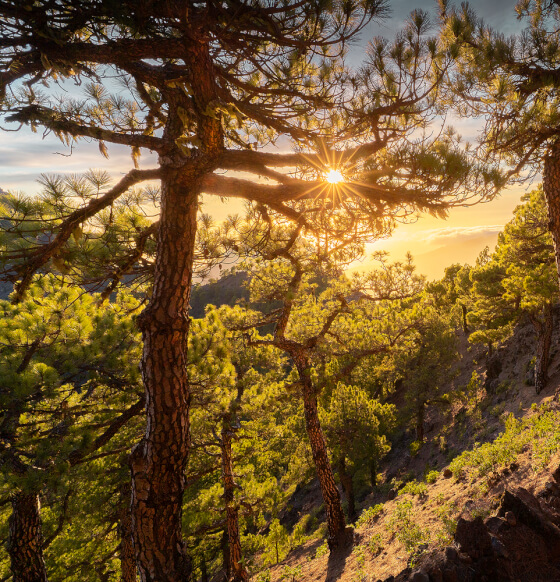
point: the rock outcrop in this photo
(521, 543)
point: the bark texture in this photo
(235, 569)
(337, 534)
(551, 188)
(25, 544)
(159, 461)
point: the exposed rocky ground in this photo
(521, 542)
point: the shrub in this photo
(368, 515)
(415, 488)
(431, 476)
(405, 528)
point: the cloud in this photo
(442, 236)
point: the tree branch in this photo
(40, 256)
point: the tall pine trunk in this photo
(337, 533)
(25, 542)
(464, 319)
(158, 462)
(544, 330)
(235, 569)
(551, 189)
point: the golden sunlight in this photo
(334, 177)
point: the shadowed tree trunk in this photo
(337, 533)
(126, 549)
(225, 552)
(464, 319)
(551, 189)
(544, 340)
(348, 487)
(236, 571)
(373, 474)
(25, 542)
(204, 570)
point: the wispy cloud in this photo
(441, 236)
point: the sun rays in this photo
(334, 177)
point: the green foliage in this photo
(69, 367)
(414, 488)
(432, 477)
(291, 573)
(322, 550)
(403, 525)
(369, 515)
(356, 425)
(415, 447)
(538, 433)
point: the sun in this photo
(334, 177)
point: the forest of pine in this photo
(187, 399)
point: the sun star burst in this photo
(334, 177)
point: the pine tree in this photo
(356, 428)
(519, 280)
(512, 82)
(63, 361)
(207, 86)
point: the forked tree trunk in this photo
(337, 534)
(25, 542)
(235, 569)
(544, 341)
(158, 462)
(551, 189)
(348, 488)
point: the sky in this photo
(435, 243)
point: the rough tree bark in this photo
(337, 533)
(25, 542)
(551, 189)
(158, 462)
(235, 569)
(348, 487)
(544, 330)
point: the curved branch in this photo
(67, 227)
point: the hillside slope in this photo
(503, 441)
